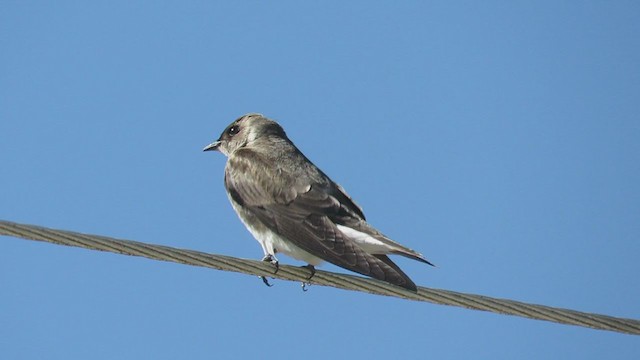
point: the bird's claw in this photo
(265, 281)
(312, 269)
(271, 259)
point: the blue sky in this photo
(500, 139)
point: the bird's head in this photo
(244, 131)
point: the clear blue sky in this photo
(501, 139)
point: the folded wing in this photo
(304, 214)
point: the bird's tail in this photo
(413, 255)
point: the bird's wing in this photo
(302, 213)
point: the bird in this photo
(292, 207)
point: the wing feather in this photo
(305, 212)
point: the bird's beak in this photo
(213, 146)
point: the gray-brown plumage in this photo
(290, 206)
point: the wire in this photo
(342, 281)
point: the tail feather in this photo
(414, 256)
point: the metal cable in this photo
(342, 281)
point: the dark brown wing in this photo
(301, 210)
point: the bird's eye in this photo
(233, 130)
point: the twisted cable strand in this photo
(342, 281)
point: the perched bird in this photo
(291, 207)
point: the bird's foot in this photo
(312, 269)
(272, 259)
(265, 281)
